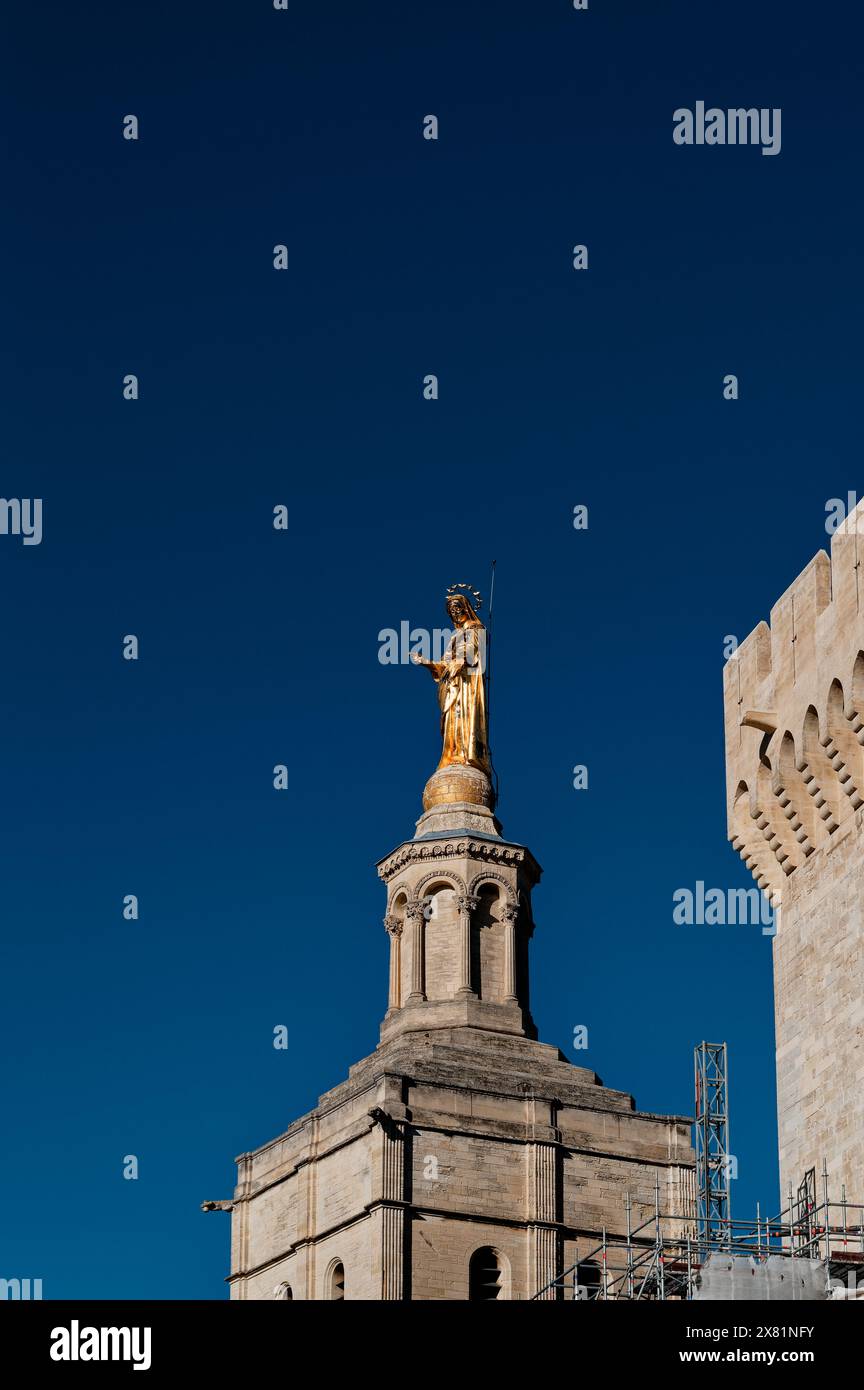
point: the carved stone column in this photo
(466, 905)
(543, 1200)
(393, 1216)
(509, 914)
(415, 914)
(394, 931)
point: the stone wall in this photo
(794, 720)
(819, 1018)
(440, 1144)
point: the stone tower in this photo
(462, 1159)
(794, 715)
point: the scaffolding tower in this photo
(713, 1159)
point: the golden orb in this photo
(458, 783)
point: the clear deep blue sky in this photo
(259, 907)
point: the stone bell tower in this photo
(459, 919)
(463, 1159)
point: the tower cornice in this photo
(441, 848)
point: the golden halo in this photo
(466, 591)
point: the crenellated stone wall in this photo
(794, 727)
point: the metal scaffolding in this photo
(713, 1159)
(662, 1257)
(663, 1254)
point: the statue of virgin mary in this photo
(460, 676)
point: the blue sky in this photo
(303, 388)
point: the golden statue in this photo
(462, 697)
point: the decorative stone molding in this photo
(487, 876)
(448, 875)
(398, 890)
(440, 851)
